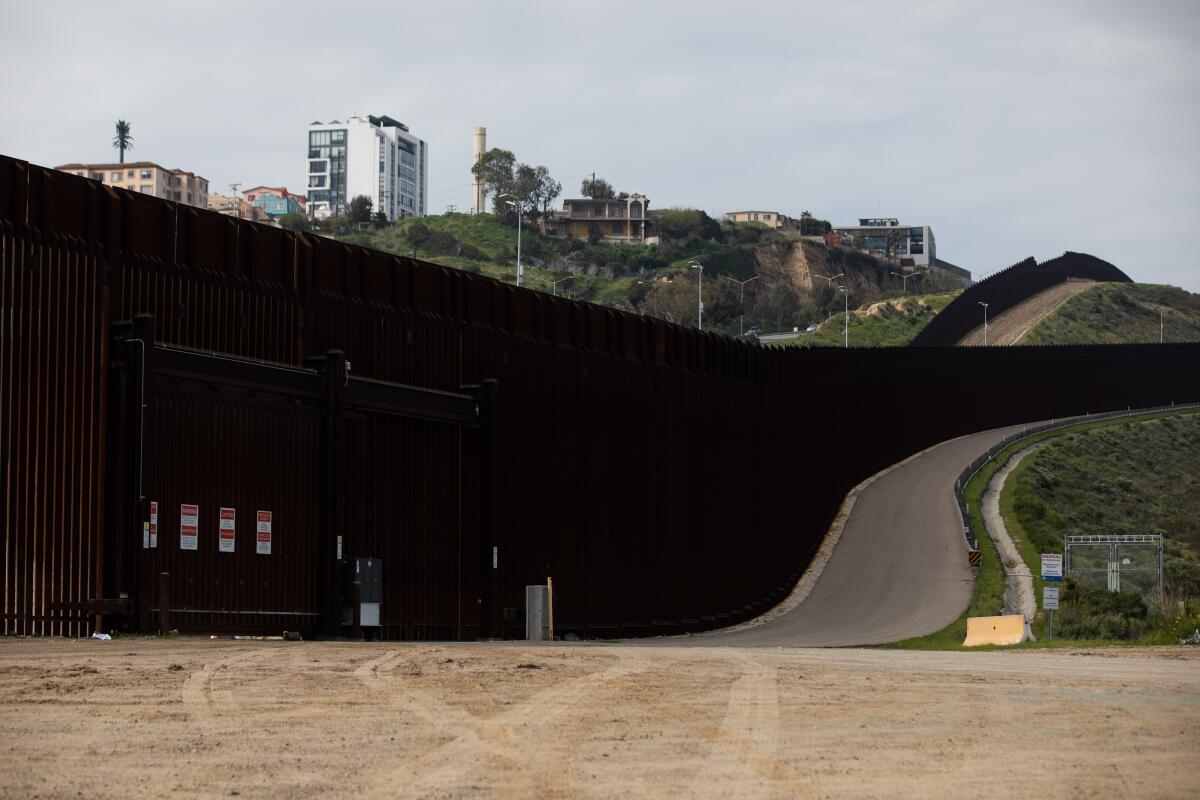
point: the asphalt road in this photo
(899, 570)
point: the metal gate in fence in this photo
(1122, 563)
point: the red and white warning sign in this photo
(153, 523)
(189, 526)
(228, 530)
(263, 547)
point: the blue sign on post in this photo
(1052, 567)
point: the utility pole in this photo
(741, 300)
(846, 325)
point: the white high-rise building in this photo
(372, 156)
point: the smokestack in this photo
(478, 194)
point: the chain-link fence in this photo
(1129, 563)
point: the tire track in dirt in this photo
(750, 727)
(203, 701)
(748, 733)
(492, 751)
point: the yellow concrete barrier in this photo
(995, 630)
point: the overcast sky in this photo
(1012, 128)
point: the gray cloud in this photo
(1013, 129)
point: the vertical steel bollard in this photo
(164, 602)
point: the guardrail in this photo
(969, 538)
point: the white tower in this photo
(478, 193)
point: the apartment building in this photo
(148, 178)
(238, 207)
(772, 219)
(275, 200)
(606, 220)
(373, 156)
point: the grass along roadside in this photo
(987, 595)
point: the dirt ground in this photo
(193, 717)
(1008, 327)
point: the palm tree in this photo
(123, 140)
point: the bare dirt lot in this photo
(147, 718)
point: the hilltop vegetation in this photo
(888, 323)
(1121, 313)
(652, 279)
(1135, 477)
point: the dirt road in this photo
(149, 718)
(1009, 327)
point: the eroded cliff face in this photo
(796, 269)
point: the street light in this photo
(831, 280)
(985, 305)
(699, 294)
(741, 297)
(846, 328)
(1160, 325)
(511, 200)
(554, 286)
(904, 279)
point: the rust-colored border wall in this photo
(666, 479)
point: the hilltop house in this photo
(610, 220)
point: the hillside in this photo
(887, 323)
(1136, 477)
(784, 288)
(1121, 313)
(1011, 326)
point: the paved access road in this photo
(900, 568)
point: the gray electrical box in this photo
(369, 573)
(537, 613)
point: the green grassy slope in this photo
(1135, 477)
(896, 326)
(1121, 313)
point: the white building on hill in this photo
(373, 156)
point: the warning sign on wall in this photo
(189, 526)
(263, 546)
(145, 535)
(228, 530)
(153, 524)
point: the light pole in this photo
(554, 286)
(741, 298)
(511, 199)
(1160, 325)
(699, 294)
(985, 305)
(904, 279)
(846, 326)
(831, 280)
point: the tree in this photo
(124, 139)
(360, 210)
(597, 189)
(495, 169)
(295, 222)
(379, 220)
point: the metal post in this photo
(356, 609)
(846, 317)
(491, 623)
(1050, 625)
(334, 493)
(700, 300)
(520, 269)
(164, 602)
